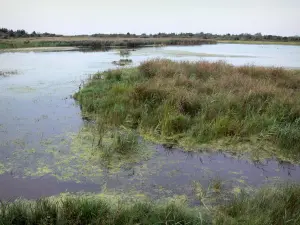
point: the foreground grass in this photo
(202, 104)
(83, 210)
(276, 205)
(279, 205)
(94, 42)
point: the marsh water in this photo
(41, 154)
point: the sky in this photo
(68, 17)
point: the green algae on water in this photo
(2, 168)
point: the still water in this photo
(39, 120)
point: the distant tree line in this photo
(6, 33)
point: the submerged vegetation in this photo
(202, 104)
(270, 205)
(122, 62)
(120, 146)
(110, 148)
(124, 54)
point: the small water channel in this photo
(39, 122)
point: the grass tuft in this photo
(124, 142)
(271, 205)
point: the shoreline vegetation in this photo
(98, 43)
(269, 205)
(22, 39)
(75, 43)
(40, 49)
(201, 105)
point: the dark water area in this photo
(167, 173)
(13, 188)
(39, 122)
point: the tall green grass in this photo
(122, 143)
(202, 104)
(269, 205)
(94, 210)
(272, 205)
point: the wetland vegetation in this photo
(270, 205)
(97, 43)
(22, 39)
(124, 54)
(122, 62)
(196, 105)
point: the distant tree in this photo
(11, 33)
(33, 34)
(4, 30)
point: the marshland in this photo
(202, 134)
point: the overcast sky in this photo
(281, 17)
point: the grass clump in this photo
(125, 142)
(194, 104)
(271, 205)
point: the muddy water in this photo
(39, 123)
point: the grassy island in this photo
(198, 105)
